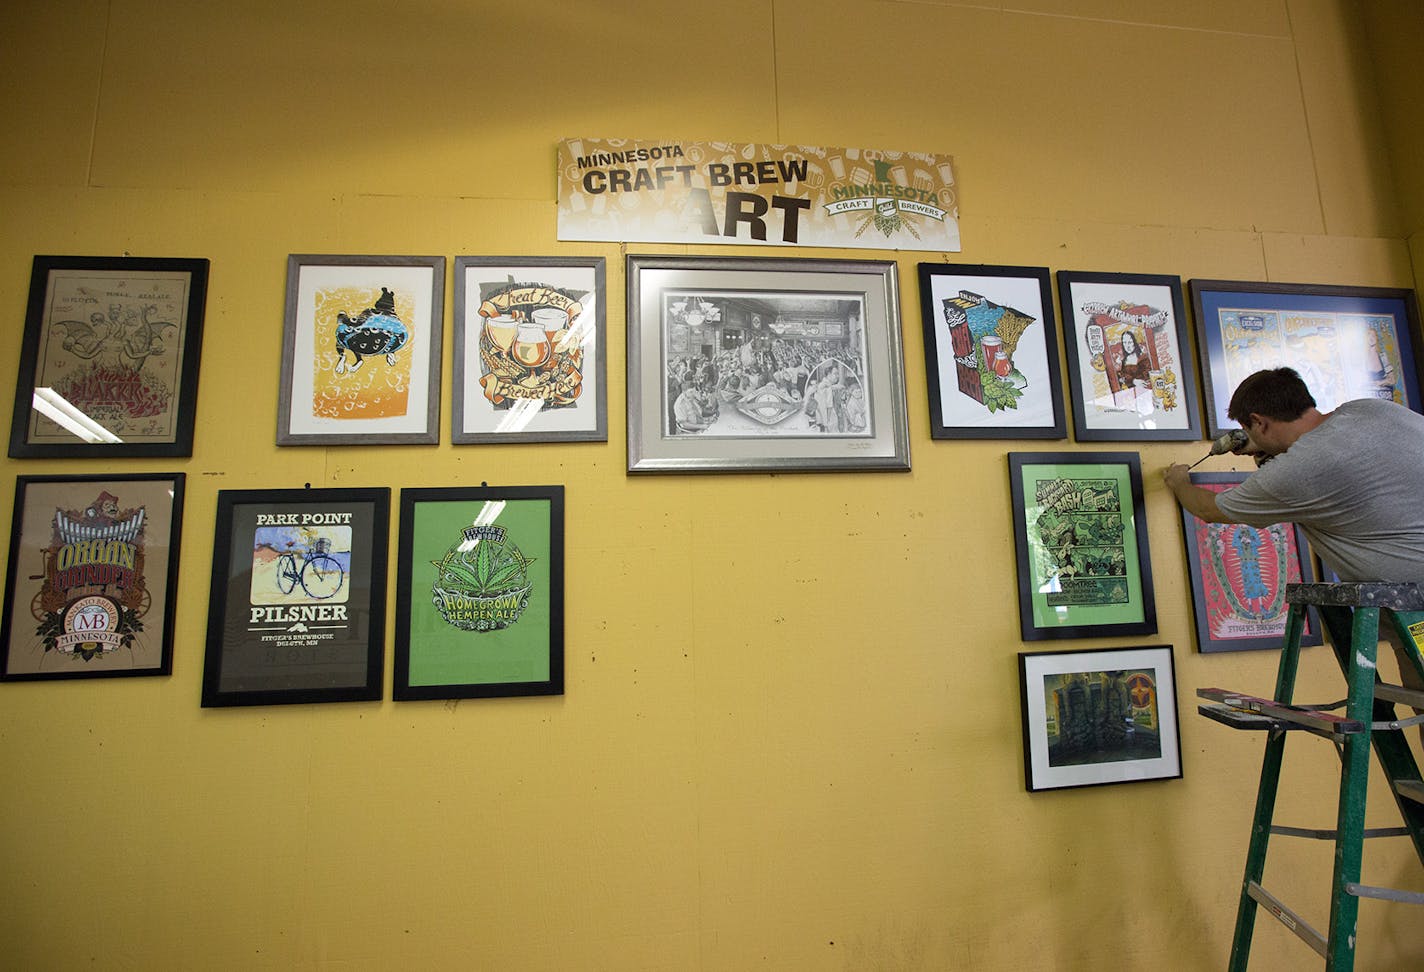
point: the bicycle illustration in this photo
(317, 572)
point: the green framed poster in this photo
(1080, 532)
(480, 593)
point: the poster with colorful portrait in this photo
(530, 360)
(1239, 575)
(480, 593)
(361, 350)
(1130, 371)
(93, 570)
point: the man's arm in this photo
(1200, 503)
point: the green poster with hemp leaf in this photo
(480, 594)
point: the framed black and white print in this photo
(530, 353)
(297, 607)
(1131, 374)
(991, 352)
(109, 359)
(743, 365)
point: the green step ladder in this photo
(1352, 614)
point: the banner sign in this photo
(729, 192)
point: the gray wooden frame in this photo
(430, 347)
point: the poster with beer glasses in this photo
(480, 593)
(1130, 373)
(361, 350)
(1346, 342)
(1239, 575)
(741, 364)
(109, 358)
(530, 359)
(297, 608)
(1099, 716)
(93, 574)
(1080, 532)
(991, 352)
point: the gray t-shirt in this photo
(1356, 484)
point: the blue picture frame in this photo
(1346, 342)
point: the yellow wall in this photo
(791, 735)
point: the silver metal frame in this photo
(887, 448)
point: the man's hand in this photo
(1199, 502)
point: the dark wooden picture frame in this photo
(991, 352)
(92, 582)
(109, 358)
(297, 607)
(480, 568)
(1131, 373)
(1080, 532)
(1097, 716)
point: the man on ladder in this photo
(1352, 478)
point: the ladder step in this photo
(1398, 693)
(1299, 715)
(1333, 834)
(1288, 918)
(1386, 894)
(1413, 789)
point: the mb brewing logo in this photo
(887, 205)
(482, 581)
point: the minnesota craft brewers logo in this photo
(482, 582)
(886, 203)
(94, 596)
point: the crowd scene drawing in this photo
(730, 370)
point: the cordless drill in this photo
(1230, 442)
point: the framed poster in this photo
(361, 350)
(1080, 531)
(1130, 372)
(530, 357)
(739, 364)
(991, 352)
(1346, 342)
(93, 576)
(109, 359)
(297, 608)
(1099, 716)
(1239, 575)
(480, 593)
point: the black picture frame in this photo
(1157, 399)
(1097, 716)
(109, 358)
(480, 565)
(968, 396)
(1080, 534)
(289, 623)
(92, 578)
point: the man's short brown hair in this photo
(1278, 394)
